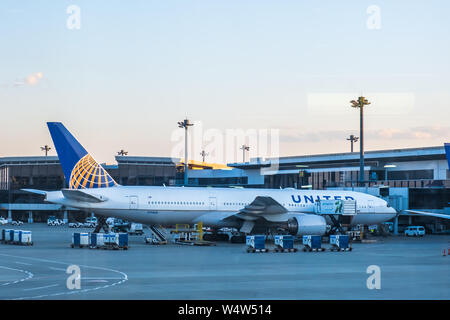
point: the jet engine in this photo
(302, 224)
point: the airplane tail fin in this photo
(80, 169)
(447, 152)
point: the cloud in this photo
(30, 80)
(416, 133)
(314, 136)
(34, 78)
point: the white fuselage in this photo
(186, 205)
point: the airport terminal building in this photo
(415, 178)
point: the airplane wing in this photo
(35, 191)
(262, 207)
(430, 214)
(79, 195)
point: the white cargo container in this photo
(111, 238)
(100, 239)
(9, 235)
(80, 239)
(25, 237)
(96, 240)
(84, 239)
(16, 237)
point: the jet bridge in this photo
(340, 212)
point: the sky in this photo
(133, 69)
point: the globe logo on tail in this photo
(87, 173)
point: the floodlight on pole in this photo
(46, 148)
(185, 124)
(204, 154)
(352, 139)
(360, 103)
(244, 148)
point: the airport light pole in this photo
(360, 103)
(352, 139)
(203, 154)
(185, 124)
(244, 148)
(46, 148)
(122, 153)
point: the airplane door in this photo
(134, 204)
(212, 203)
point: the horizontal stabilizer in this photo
(430, 214)
(35, 191)
(79, 195)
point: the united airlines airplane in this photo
(92, 189)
